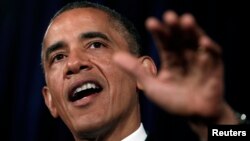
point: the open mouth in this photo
(84, 90)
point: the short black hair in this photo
(124, 25)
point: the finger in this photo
(191, 32)
(172, 23)
(160, 35)
(184, 30)
(184, 34)
(170, 18)
(209, 45)
(188, 22)
(209, 53)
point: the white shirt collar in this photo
(138, 135)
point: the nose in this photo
(77, 63)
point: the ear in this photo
(49, 101)
(150, 67)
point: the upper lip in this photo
(79, 83)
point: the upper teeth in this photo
(85, 87)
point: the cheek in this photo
(56, 86)
(55, 83)
(54, 75)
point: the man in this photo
(94, 69)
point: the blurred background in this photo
(24, 116)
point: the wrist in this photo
(226, 116)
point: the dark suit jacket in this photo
(170, 128)
(162, 126)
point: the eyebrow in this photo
(52, 48)
(87, 35)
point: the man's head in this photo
(93, 96)
(121, 23)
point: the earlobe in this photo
(49, 101)
(149, 66)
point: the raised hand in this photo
(190, 79)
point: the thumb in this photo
(154, 89)
(135, 67)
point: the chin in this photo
(92, 129)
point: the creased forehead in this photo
(70, 16)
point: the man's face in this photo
(84, 87)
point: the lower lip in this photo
(85, 100)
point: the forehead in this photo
(79, 19)
(81, 15)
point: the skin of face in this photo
(78, 48)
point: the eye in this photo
(96, 45)
(58, 57)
